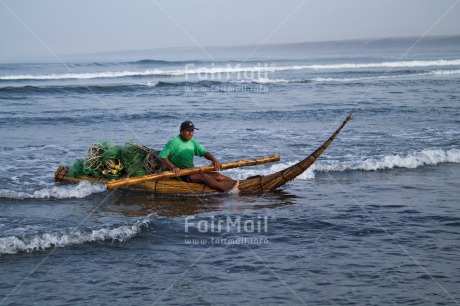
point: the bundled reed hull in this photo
(250, 185)
(164, 186)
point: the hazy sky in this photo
(32, 28)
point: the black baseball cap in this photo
(187, 125)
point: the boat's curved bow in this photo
(275, 180)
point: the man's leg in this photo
(220, 177)
(208, 180)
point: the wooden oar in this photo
(168, 174)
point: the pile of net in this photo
(106, 160)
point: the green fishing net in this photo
(106, 160)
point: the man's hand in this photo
(215, 162)
(176, 171)
(217, 165)
(173, 168)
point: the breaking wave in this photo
(409, 161)
(62, 238)
(348, 80)
(237, 68)
(384, 77)
(134, 87)
(81, 190)
(398, 64)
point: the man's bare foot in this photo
(235, 189)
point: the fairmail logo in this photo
(227, 224)
(235, 72)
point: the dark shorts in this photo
(185, 178)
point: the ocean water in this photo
(376, 220)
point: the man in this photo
(179, 152)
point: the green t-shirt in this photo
(181, 153)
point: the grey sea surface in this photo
(376, 220)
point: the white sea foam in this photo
(347, 80)
(151, 84)
(446, 72)
(244, 173)
(384, 77)
(190, 70)
(410, 161)
(265, 81)
(94, 75)
(398, 64)
(62, 238)
(381, 77)
(81, 190)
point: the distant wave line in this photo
(383, 77)
(206, 83)
(228, 70)
(321, 79)
(399, 64)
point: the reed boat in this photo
(255, 184)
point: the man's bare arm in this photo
(215, 162)
(170, 165)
